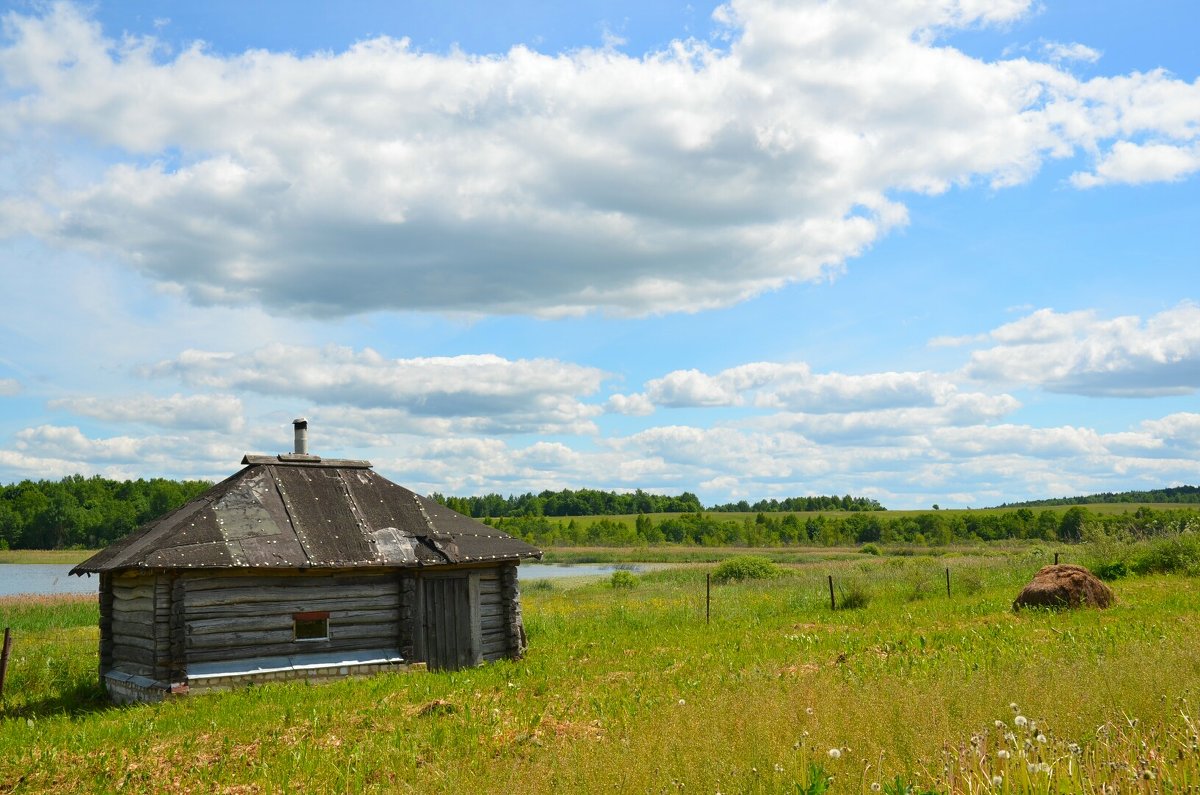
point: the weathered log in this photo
(302, 606)
(238, 596)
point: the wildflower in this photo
(1000, 725)
(682, 702)
(875, 786)
(1002, 754)
(796, 746)
(778, 768)
(1074, 748)
(808, 710)
(1013, 707)
(1032, 767)
(835, 753)
(997, 780)
(1033, 726)
(1021, 721)
(1041, 738)
(1010, 737)
(1148, 775)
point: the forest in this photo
(833, 529)
(85, 512)
(93, 512)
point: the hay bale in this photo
(1065, 585)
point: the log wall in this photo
(134, 645)
(236, 617)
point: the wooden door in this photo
(450, 621)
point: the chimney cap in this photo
(300, 422)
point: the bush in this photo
(852, 595)
(1180, 555)
(538, 585)
(746, 567)
(623, 579)
(869, 549)
(1112, 570)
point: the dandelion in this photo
(1041, 738)
(1032, 767)
(1074, 748)
(1002, 754)
(1013, 706)
(778, 768)
(835, 753)
(1021, 721)
(1033, 726)
(682, 702)
(1148, 775)
(1000, 725)
(808, 710)
(997, 781)
(875, 786)
(1010, 737)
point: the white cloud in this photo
(386, 178)
(481, 393)
(793, 387)
(1135, 164)
(636, 405)
(9, 387)
(179, 412)
(1059, 51)
(1079, 353)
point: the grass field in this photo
(65, 556)
(629, 690)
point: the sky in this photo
(932, 251)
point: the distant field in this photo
(630, 690)
(64, 556)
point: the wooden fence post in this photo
(832, 600)
(4, 652)
(707, 598)
(1055, 558)
(947, 582)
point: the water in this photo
(49, 578)
(43, 578)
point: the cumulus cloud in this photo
(181, 412)
(483, 393)
(9, 387)
(1135, 164)
(792, 387)
(383, 177)
(1074, 51)
(1080, 353)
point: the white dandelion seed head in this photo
(1021, 721)
(808, 710)
(1002, 754)
(1032, 767)
(997, 781)
(682, 702)
(875, 786)
(1033, 725)
(1043, 767)
(1013, 707)
(835, 753)
(1000, 724)
(1074, 748)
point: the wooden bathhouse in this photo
(302, 567)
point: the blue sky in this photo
(945, 252)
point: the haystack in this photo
(1065, 585)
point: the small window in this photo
(311, 626)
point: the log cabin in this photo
(302, 567)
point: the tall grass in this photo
(630, 691)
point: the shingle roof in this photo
(294, 511)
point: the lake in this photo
(48, 578)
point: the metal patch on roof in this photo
(393, 546)
(241, 514)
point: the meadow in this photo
(629, 689)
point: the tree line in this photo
(85, 512)
(1175, 494)
(829, 529)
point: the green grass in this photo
(629, 690)
(64, 556)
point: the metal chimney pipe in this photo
(301, 426)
